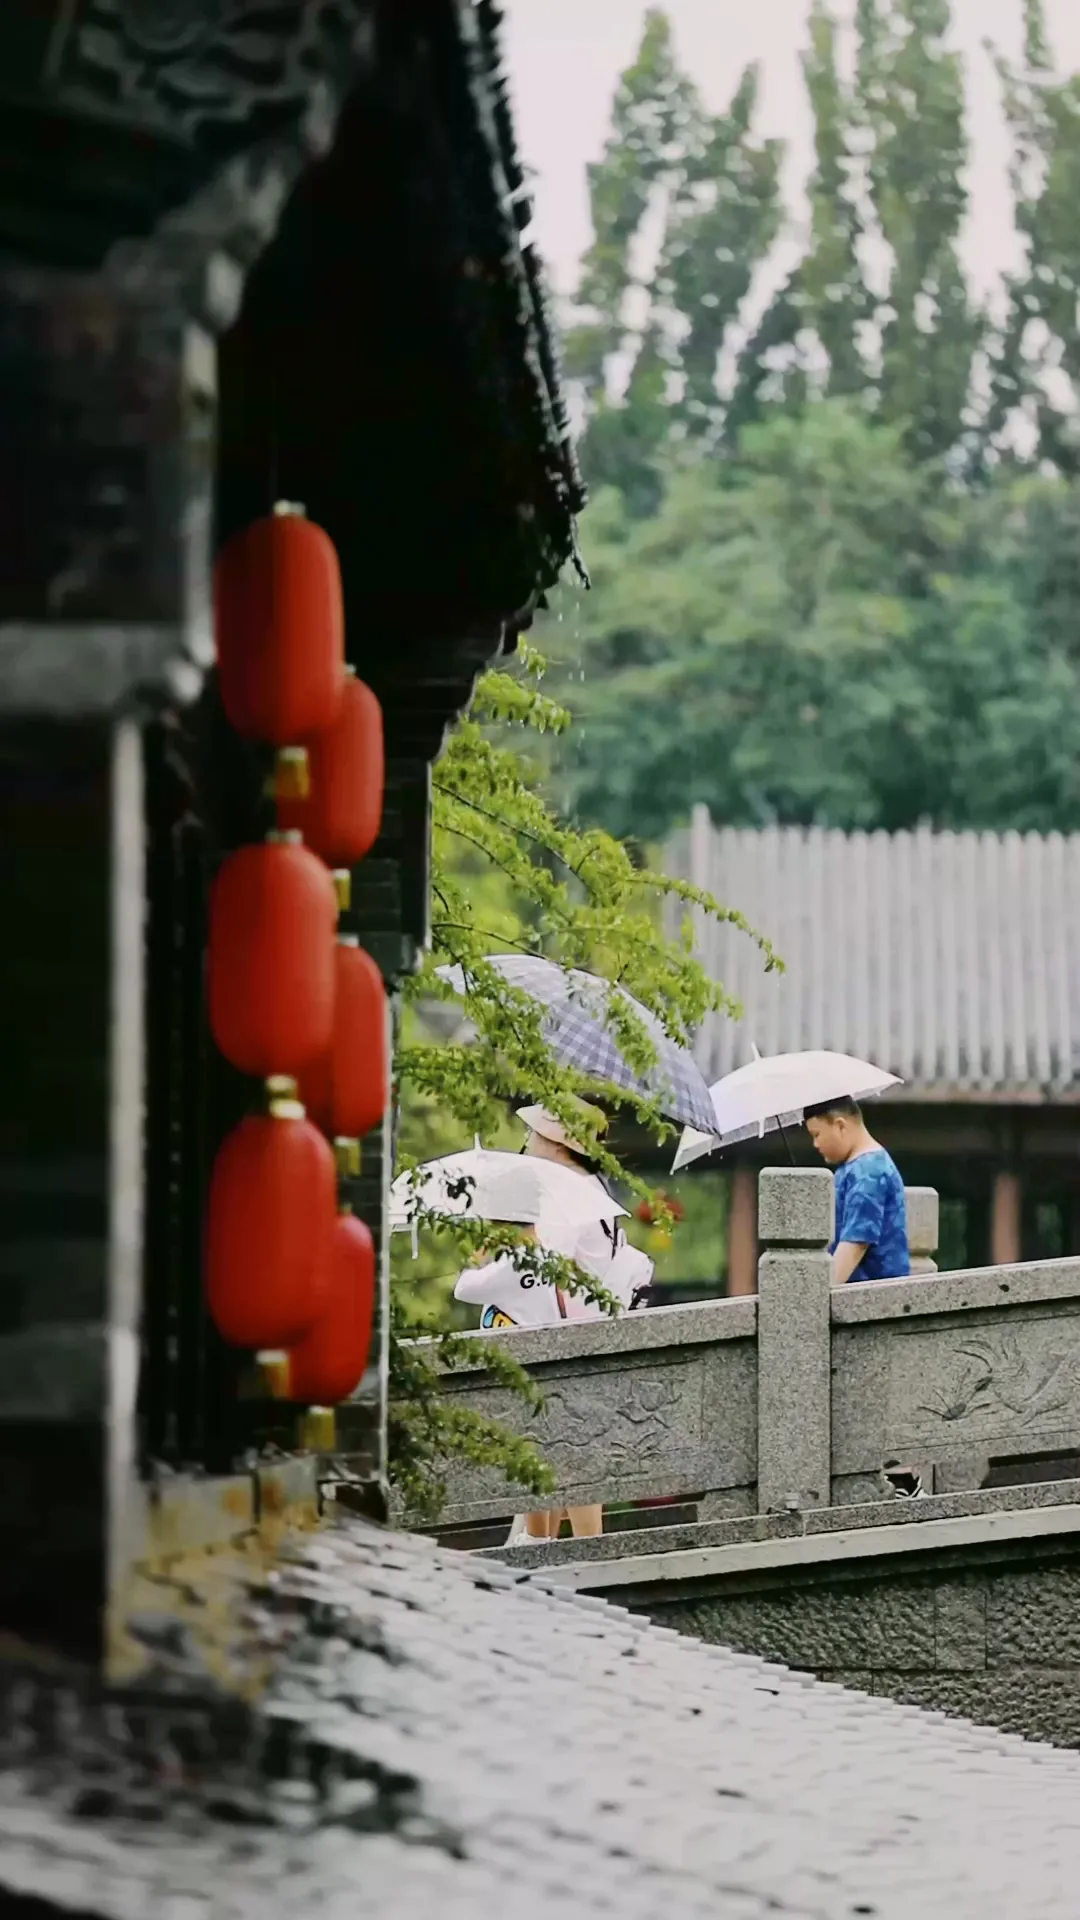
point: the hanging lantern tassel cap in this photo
(347, 1155)
(317, 1430)
(272, 1370)
(292, 774)
(342, 880)
(282, 1099)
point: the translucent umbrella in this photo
(488, 1185)
(775, 1092)
(578, 1028)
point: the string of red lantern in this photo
(270, 1224)
(271, 969)
(347, 1088)
(280, 627)
(283, 1268)
(341, 813)
(328, 1364)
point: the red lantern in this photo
(270, 1228)
(273, 917)
(328, 1364)
(342, 813)
(347, 1089)
(280, 628)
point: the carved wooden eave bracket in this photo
(174, 149)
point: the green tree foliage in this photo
(509, 874)
(877, 307)
(854, 598)
(820, 630)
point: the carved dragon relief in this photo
(998, 1377)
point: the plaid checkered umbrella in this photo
(579, 1031)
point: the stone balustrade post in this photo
(923, 1227)
(795, 1224)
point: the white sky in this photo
(566, 55)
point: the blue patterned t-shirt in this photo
(871, 1211)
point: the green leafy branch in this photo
(510, 875)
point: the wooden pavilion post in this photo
(743, 1232)
(1006, 1205)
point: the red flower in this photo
(646, 1212)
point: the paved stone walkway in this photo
(448, 1742)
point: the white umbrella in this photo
(775, 1092)
(488, 1185)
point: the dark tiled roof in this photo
(472, 1746)
(952, 959)
(418, 410)
(489, 17)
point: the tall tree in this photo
(878, 306)
(835, 301)
(910, 91)
(655, 123)
(1039, 359)
(723, 218)
(685, 208)
(812, 338)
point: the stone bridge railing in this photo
(797, 1397)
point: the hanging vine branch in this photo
(510, 875)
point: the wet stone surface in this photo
(437, 1737)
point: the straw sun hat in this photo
(539, 1120)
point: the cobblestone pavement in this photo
(446, 1741)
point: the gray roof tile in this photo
(552, 1777)
(951, 959)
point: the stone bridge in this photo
(763, 1425)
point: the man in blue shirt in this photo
(870, 1236)
(870, 1241)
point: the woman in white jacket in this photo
(601, 1250)
(508, 1295)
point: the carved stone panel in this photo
(672, 1423)
(1005, 1385)
(629, 1422)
